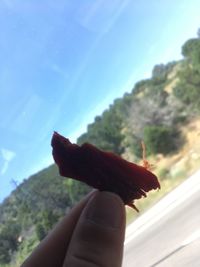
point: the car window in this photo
(109, 73)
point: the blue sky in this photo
(63, 62)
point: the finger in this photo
(99, 234)
(51, 251)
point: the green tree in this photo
(188, 88)
(105, 132)
(191, 51)
(9, 234)
(49, 219)
(160, 139)
(189, 94)
(76, 190)
(40, 231)
(5, 254)
(160, 72)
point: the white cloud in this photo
(5, 167)
(7, 155)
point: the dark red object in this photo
(102, 170)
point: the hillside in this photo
(164, 111)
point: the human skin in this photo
(92, 235)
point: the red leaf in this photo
(102, 170)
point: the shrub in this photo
(40, 231)
(160, 139)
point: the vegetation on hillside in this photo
(154, 111)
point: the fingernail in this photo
(105, 209)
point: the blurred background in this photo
(109, 73)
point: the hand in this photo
(91, 235)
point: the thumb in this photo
(99, 235)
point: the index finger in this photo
(51, 251)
